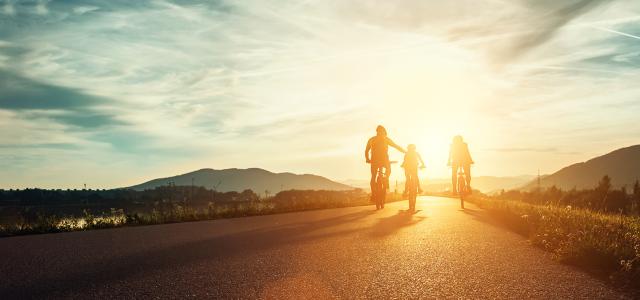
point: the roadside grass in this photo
(604, 244)
(170, 212)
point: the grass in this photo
(169, 212)
(604, 244)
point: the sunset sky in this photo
(113, 93)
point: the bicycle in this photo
(379, 191)
(413, 189)
(462, 186)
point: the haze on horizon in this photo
(113, 93)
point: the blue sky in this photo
(112, 93)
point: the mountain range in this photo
(256, 179)
(622, 166)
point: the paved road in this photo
(439, 252)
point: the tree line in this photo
(185, 194)
(31, 203)
(602, 198)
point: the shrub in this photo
(606, 244)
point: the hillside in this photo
(622, 165)
(258, 180)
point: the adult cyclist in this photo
(379, 148)
(459, 157)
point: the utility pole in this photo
(539, 180)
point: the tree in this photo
(618, 201)
(636, 197)
(604, 186)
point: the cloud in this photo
(505, 30)
(524, 149)
(41, 7)
(22, 93)
(63, 146)
(177, 84)
(549, 17)
(81, 10)
(71, 106)
(9, 9)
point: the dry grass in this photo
(602, 243)
(167, 212)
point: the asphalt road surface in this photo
(439, 252)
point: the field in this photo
(60, 211)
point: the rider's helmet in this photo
(457, 140)
(411, 147)
(381, 131)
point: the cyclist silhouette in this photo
(379, 148)
(412, 160)
(459, 156)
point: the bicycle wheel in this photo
(462, 189)
(383, 192)
(413, 193)
(379, 193)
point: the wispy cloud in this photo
(524, 149)
(617, 32)
(171, 85)
(84, 9)
(552, 17)
(534, 150)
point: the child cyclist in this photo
(410, 165)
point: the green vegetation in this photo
(587, 234)
(157, 206)
(602, 198)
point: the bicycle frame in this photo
(379, 193)
(412, 193)
(462, 185)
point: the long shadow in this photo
(483, 216)
(119, 268)
(390, 225)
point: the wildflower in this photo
(626, 265)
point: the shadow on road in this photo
(483, 216)
(390, 225)
(102, 272)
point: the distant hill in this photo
(622, 165)
(255, 179)
(485, 184)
